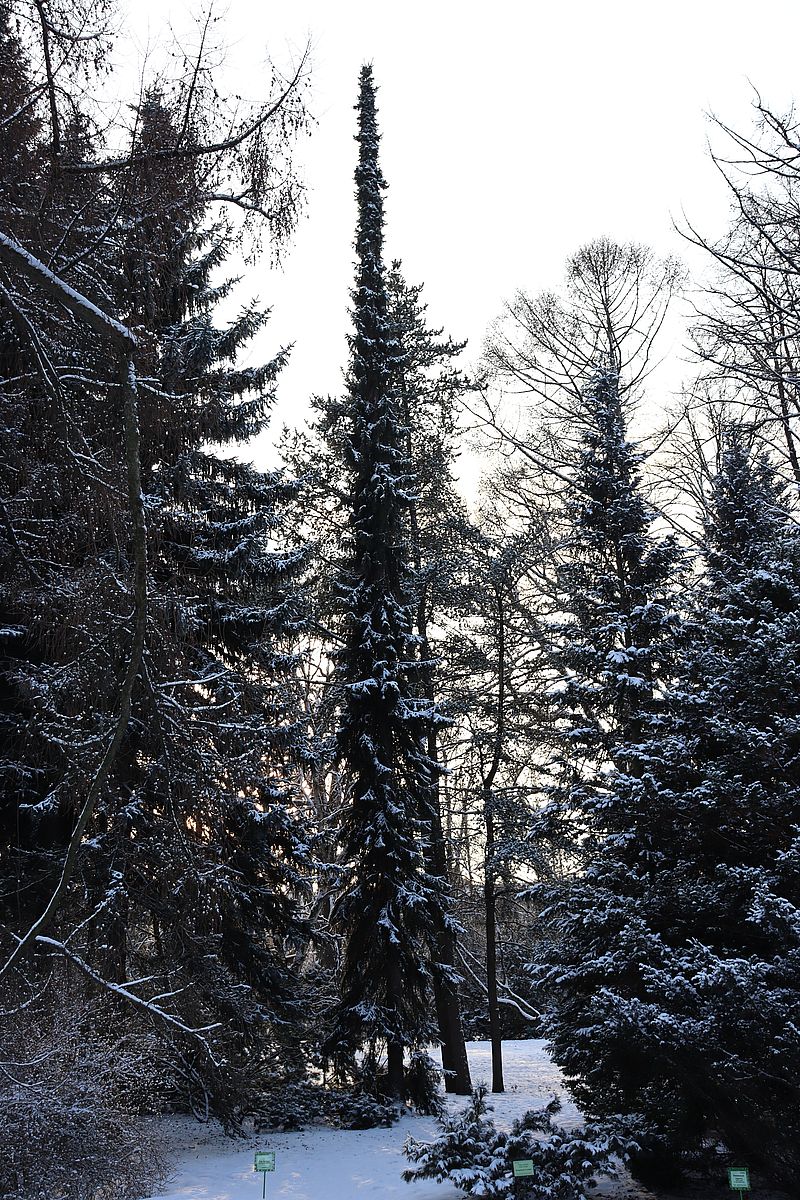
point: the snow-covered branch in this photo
(125, 993)
(17, 258)
(13, 255)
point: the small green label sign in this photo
(522, 1167)
(739, 1178)
(265, 1160)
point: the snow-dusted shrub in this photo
(291, 1107)
(476, 1157)
(361, 1105)
(358, 1112)
(68, 1103)
(296, 1105)
(365, 1077)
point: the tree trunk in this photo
(489, 896)
(395, 1076)
(448, 1007)
(455, 1063)
(490, 901)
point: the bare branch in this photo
(188, 152)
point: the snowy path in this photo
(320, 1164)
(333, 1164)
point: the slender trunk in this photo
(395, 1079)
(489, 896)
(448, 1007)
(465, 841)
(395, 1075)
(55, 125)
(120, 941)
(490, 901)
(54, 174)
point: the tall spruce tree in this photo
(730, 774)
(391, 904)
(226, 612)
(613, 650)
(613, 583)
(603, 576)
(434, 525)
(192, 859)
(690, 924)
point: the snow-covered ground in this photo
(336, 1164)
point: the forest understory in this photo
(343, 1164)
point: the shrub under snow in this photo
(476, 1157)
(69, 1099)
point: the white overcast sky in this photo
(513, 132)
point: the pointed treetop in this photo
(370, 183)
(748, 508)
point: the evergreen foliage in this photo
(675, 974)
(614, 583)
(614, 650)
(195, 858)
(390, 905)
(264, 734)
(476, 1157)
(433, 524)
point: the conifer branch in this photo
(13, 255)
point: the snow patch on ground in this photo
(343, 1164)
